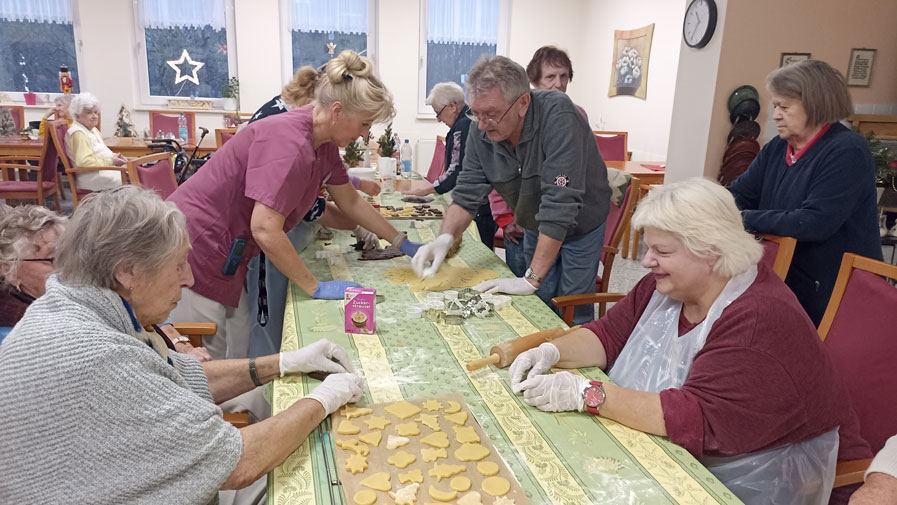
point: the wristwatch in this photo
(181, 340)
(529, 274)
(593, 396)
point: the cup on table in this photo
(387, 167)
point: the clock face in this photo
(700, 22)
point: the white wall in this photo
(647, 121)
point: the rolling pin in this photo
(503, 354)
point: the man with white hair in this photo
(537, 150)
(448, 102)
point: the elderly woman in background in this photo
(712, 350)
(262, 182)
(60, 110)
(814, 182)
(28, 236)
(447, 101)
(85, 147)
(79, 366)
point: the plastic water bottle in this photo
(182, 127)
(406, 159)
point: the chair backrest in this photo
(155, 172)
(18, 115)
(618, 217)
(437, 164)
(58, 129)
(167, 121)
(613, 145)
(222, 135)
(49, 156)
(858, 330)
(777, 253)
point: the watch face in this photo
(594, 396)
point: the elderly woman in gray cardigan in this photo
(97, 410)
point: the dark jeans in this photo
(515, 258)
(486, 225)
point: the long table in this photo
(20, 145)
(565, 458)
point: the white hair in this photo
(703, 216)
(127, 225)
(444, 93)
(83, 101)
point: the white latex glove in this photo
(429, 258)
(370, 239)
(513, 286)
(322, 356)
(533, 362)
(337, 390)
(556, 392)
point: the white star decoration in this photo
(196, 66)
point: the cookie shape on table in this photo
(465, 434)
(353, 412)
(471, 452)
(452, 407)
(356, 463)
(378, 481)
(496, 486)
(405, 495)
(460, 484)
(403, 409)
(471, 498)
(429, 420)
(443, 496)
(407, 429)
(347, 428)
(431, 454)
(444, 471)
(433, 405)
(436, 439)
(365, 497)
(412, 476)
(401, 459)
(459, 418)
(377, 422)
(487, 468)
(372, 438)
(394, 442)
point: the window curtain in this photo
(38, 11)
(327, 16)
(183, 13)
(463, 21)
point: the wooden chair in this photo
(18, 117)
(613, 145)
(857, 329)
(195, 332)
(617, 222)
(58, 130)
(46, 182)
(167, 121)
(222, 135)
(153, 171)
(437, 164)
(778, 252)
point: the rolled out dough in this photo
(448, 277)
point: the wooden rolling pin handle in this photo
(482, 362)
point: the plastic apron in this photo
(656, 358)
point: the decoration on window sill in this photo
(331, 47)
(30, 98)
(185, 56)
(123, 126)
(189, 103)
(5, 99)
(65, 80)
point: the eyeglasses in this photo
(489, 120)
(46, 260)
(440, 111)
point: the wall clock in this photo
(699, 23)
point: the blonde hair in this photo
(21, 230)
(126, 225)
(349, 79)
(301, 90)
(703, 216)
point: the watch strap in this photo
(594, 410)
(253, 373)
(529, 274)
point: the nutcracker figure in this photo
(65, 81)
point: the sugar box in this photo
(359, 310)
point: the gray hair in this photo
(703, 216)
(820, 88)
(83, 101)
(498, 71)
(444, 93)
(21, 231)
(65, 98)
(127, 225)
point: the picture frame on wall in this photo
(629, 66)
(789, 58)
(859, 70)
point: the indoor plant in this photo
(230, 92)
(387, 143)
(353, 155)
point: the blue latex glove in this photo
(333, 290)
(409, 248)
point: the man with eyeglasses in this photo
(537, 150)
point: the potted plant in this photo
(387, 143)
(353, 155)
(882, 157)
(230, 92)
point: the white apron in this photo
(656, 358)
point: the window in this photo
(187, 48)
(454, 34)
(318, 30)
(37, 37)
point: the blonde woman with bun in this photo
(262, 183)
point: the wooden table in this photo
(20, 145)
(566, 458)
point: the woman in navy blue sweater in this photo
(814, 182)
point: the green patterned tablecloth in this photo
(567, 458)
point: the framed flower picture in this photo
(629, 71)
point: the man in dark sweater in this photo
(537, 150)
(814, 182)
